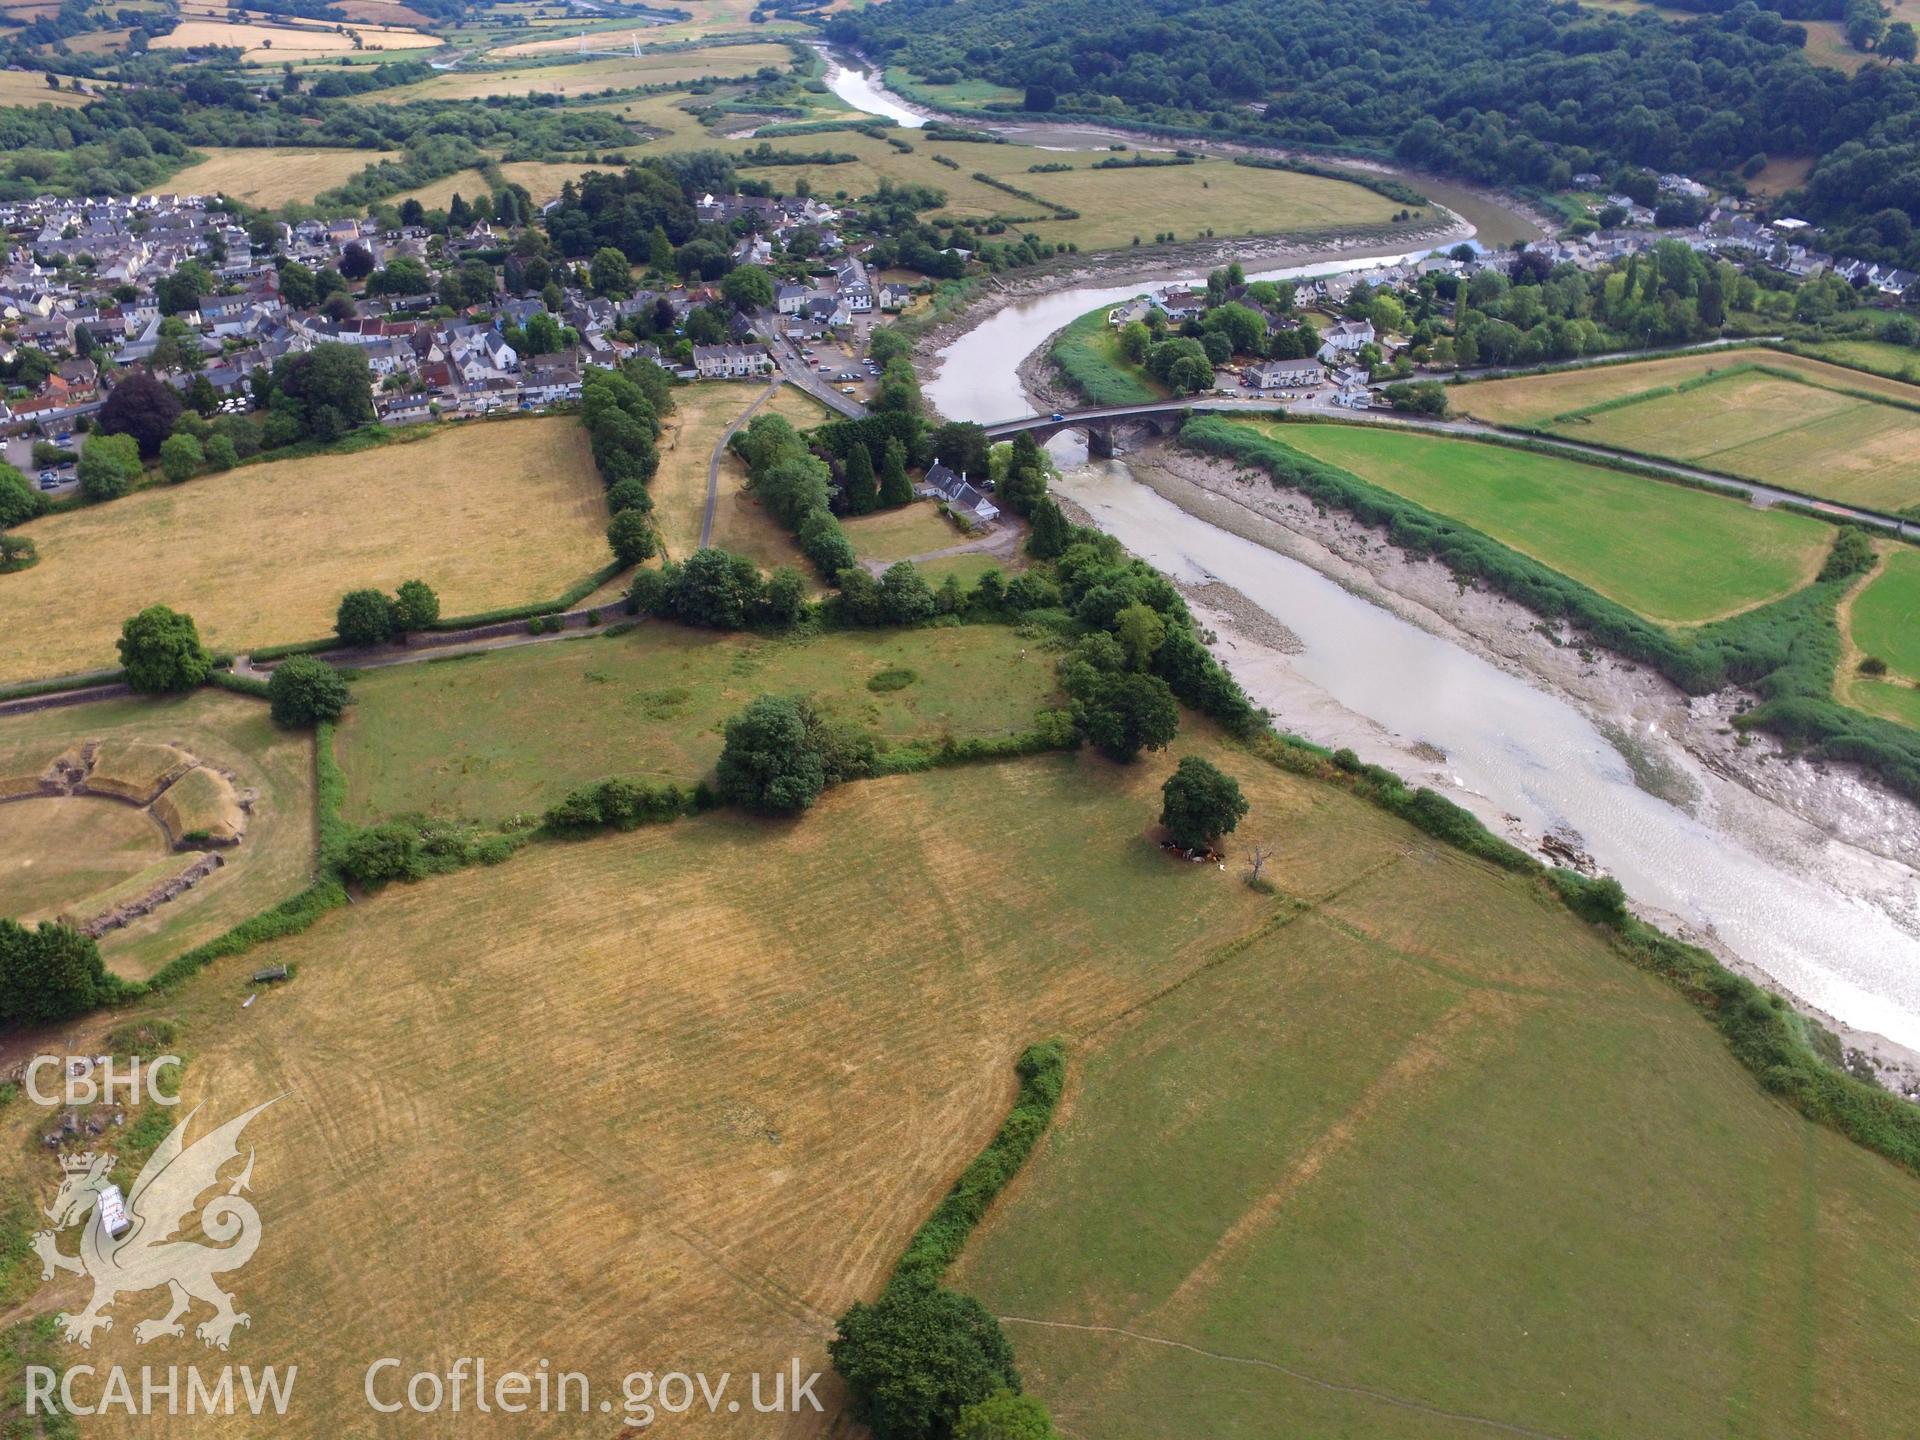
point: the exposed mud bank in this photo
(1824, 822)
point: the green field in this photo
(1785, 420)
(490, 736)
(887, 536)
(1424, 1146)
(1679, 556)
(1088, 354)
(961, 95)
(1884, 621)
(1896, 361)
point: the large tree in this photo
(748, 287)
(415, 607)
(780, 753)
(631, 537)
(305, 690)
(19, 501)
(918, 1357)
(143, 406)
(365, 617)
(49, 973)
(896, 486)
(180, 457)
(1200, 803)
(1125, 714)
(769, 762)
(862, 496)
(327, 390)
(161, 652)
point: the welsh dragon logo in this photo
(144, 1256)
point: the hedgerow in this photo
(936, 1244)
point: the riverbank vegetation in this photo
(1090, 356)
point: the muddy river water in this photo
(1512, 747)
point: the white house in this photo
(1345, 338)
(730, 362)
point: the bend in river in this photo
(1510, 745)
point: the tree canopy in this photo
(161, 652)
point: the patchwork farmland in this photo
(1781, 419)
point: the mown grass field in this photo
(589, 76)
(490, 516)
(1114, 205)
(889, 535)
(92, 840)
(1419, 1131)
(1897, 362)
(543, 180)
(740, 523)
(702, 413)
(1537, 399)
(488, 737)
(1886, 617)
(1679, 556)
(269, 177)
(1798, 423)
(1500, 1179)
(1882, 619)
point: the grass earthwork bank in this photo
(1675, 555)
(489, 515)
(491, 736)
(78, 853)
(1406, 1125)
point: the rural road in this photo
(720, 453)
(1758, 493)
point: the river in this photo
(1511, 746)
(861, 88)
(1518, 749)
